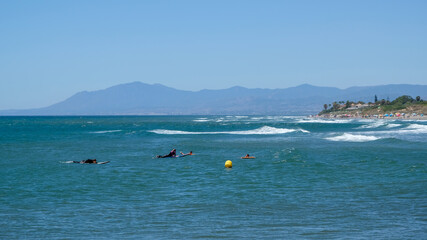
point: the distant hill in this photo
(403, 105)
(155, 99)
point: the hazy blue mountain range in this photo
(155, 99)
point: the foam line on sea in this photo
(265, 130)
(378, 124)
(412, 132)
(106, 131)
(348, 137)
(249, 119)
(410, 129)
(324, 120)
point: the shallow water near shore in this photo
(312, 178)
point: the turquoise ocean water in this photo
(311, 179)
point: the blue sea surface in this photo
(311, 179)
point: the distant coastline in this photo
(350, 116)
(403, 107)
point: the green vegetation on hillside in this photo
(404, 103)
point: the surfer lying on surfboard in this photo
(247, 156)
(86, 161)
(186, 154)
(171, 154)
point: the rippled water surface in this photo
(312, 178)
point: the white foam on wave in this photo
(393, 125)
(107, 131)
(415, 128)
(201, 120)
(347, 137)
(227, 119)
(413, 120)
(274, 118)
(411, 129)
(374, 124)
(324, 121)
(266, 130)
(171, 132)
(269, 130)
(378, 124)
(257, 118)
(407, 133)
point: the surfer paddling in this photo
(89, 161)
(247, 156)
(186, 154)
(171, 154)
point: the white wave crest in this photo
(374, 124)
(171, 132)
(201, 120)
(415, 128)
(266, 130)
(246, 119)
(269, 130)
(347, 137)
(324, 121)
(107, 131)
(393, 125)
(379, 123)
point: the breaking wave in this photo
(393, 125)
(324, 120)
(246, 119)
(347, 137)
(378, 124)
(415, 128)
(266, 130)
(374, 124)
(107, 131)
(201, 120)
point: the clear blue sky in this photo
(50, 50)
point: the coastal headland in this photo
(403, 107)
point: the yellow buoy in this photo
(228, 164)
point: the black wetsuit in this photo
(89, 161)
(171, 154)
(86, 161)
